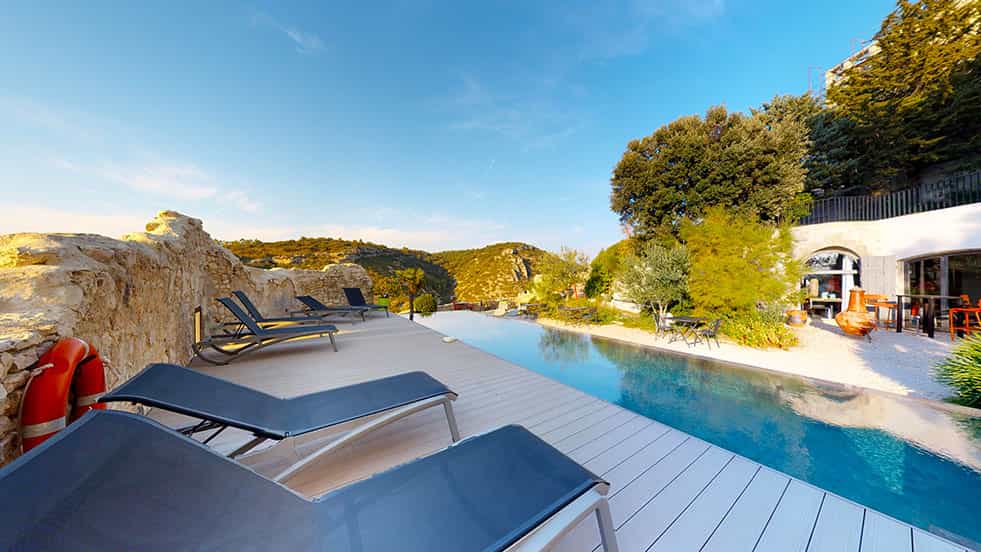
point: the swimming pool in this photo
(906, 458)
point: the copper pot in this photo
(856, 320)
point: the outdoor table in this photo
(687, 325)
(829, 302)
(927, 317)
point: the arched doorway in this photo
(830, 274)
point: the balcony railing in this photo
(951, 192)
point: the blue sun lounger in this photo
(281, 321)
(118, 481)
(356, 299)
(315, 307)
(221, 404)
(247, 335)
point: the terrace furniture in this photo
(583, 314)
(826, 304)
(685, 327)
(356, 299)
(314, 306)
(248, 336)
(664, 326)
(960, 320)
(119, 481)
(267, 322)
(928, 310)
(221, 404)
(875, 302)
(705, 334)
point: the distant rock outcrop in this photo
(131, 298)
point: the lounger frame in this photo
(243, 340)
(381, 420)
(548, 534)
(315, 308)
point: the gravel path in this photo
(898, 363)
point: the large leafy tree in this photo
(914, 103)
(750, 162)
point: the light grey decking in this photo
(669, 491)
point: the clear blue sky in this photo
(428, 124)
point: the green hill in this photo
(489, 273)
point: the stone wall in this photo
(131, 298)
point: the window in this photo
(831, 275)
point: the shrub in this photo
(759, 330)
(737, 263)
(425, 304)
(962, 371)
(582, 311)
(606, 267)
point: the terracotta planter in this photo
(796, 318)
(856, 320)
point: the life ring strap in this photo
(44, 428)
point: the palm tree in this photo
(411, 280)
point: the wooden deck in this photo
(669, 490)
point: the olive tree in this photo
(656, 278)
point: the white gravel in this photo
(897, 363)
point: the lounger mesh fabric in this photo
(313, 304)
(253, 326)
(258, 317)
(114, 480)
(186, 391)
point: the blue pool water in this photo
(917, 463)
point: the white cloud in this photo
(184, 181)
(31, 218)
(305, 42)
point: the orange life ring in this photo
(70, 365)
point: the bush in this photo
(606, 267)
(738, 263)
(962, 371)
(425, 304)
(582, 311)
(760, 330)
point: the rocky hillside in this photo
(493, 272)
(501, 270)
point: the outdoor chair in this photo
(119, 481)
(248, 336)
(276, 322)
(314, 307)
(664, 327)
(221, 404)
(708, 333)
(356, 299)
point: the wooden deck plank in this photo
(615, 455)
(789, 529)
(608, 440)
(838, 527)
(669, 491)
(649, 522)
(595, 431)
(638, 492)
(695, 525)
(884, 534)
(742, 526)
